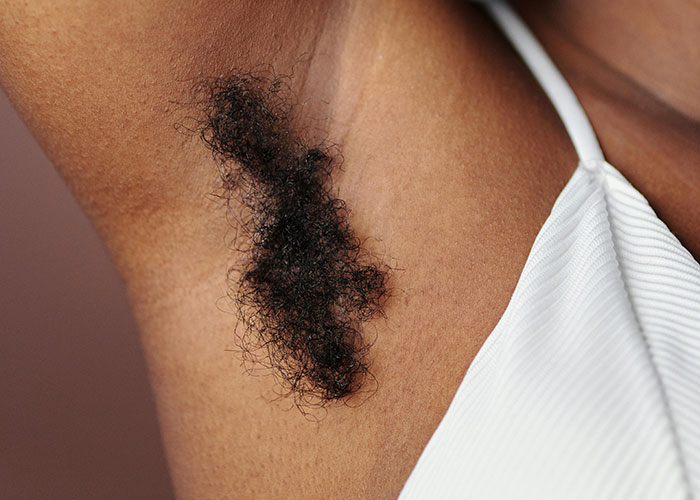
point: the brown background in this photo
(77, 419)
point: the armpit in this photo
(307, 285)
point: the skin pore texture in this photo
(451, 161)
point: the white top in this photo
(589, 385)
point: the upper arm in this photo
(96, 83)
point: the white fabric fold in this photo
(589, 385)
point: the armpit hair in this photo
(307, 285)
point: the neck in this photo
(635, 70)
(654, 45)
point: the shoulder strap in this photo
(553, 83)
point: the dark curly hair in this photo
(307, 284)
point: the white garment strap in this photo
(553, 83)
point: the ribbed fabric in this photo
(589, 385)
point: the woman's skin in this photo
(453, 158)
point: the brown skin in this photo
(453, 157)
